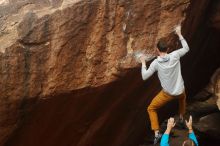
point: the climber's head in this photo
(162, 46)
(188, 142)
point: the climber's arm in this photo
(185, 48)
(146, 73)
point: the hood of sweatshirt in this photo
(163, 58)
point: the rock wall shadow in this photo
(113, 114)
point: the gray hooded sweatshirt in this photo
(168, 70)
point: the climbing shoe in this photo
(157, 138)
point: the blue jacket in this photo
(165, 139)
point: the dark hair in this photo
(188, 142)
(162, 46)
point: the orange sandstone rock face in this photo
(82, 43)
(53, 47)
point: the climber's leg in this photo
(182, 104)
(161, 99)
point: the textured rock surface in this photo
(205, 109)
(54, 47)
(80, 44)
(67, 76)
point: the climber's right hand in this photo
(178, 30)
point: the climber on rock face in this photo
(168, 70)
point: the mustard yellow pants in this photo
(160, 100)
